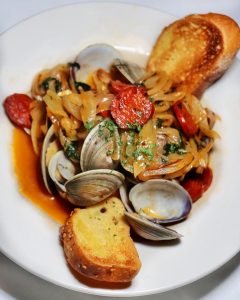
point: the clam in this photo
(49, 137)
(91, 187)
(100, 150)
(133, 72)
(61, 169)
(150, 230)
(153, 203)
(161, 201)
(101, 147)
(92, 58)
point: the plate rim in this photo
(93, 291)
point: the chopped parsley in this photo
(135, 126)
(109, 152)
(111, 126)
(131, 138)
(89, 125)
(71, 151)
(46, 84)
(86, 87)
(174, 148)
(142, 150)
(108, 125)
(124, 161)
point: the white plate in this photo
(30, 238)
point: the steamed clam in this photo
(93, 57)
(49, 138)
(91, 187)
(149, 230)
(96, 179)
(101, 147)
(161, 201)
(155, 202)
(61, 169)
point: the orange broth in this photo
(27, 170)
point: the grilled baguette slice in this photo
(196, 50)
(97, 242)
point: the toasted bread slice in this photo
(97, 242)
(196, 50)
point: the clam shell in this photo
(94, 154)
(60, 169)
(142, 226)
(49, 137)
(161, 201)
(92, 58)
(91, 187)
(150, 230)
(129, 70)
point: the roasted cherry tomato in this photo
(184, 118)
(17, 107)
(130, 107)
(196, 184)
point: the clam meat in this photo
(161, 201)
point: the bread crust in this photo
(191, 68)
(108, 270)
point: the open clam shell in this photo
(161, 201)
(61, 169)
(49, 137)
(150, 230)
(131, 71)
(143, 195)
(91, 187)
(99, 146)
(92, 58)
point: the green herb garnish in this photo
(107, 129)
(111, 126)
(174, 148)
(109, 152)
(71, 151)
(142, 150)
(89, 125)
(84, 86)
(135, 126)
(46, 83)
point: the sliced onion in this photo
(38, 115)
(166, 168)
(104, 102)
(89, 106)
